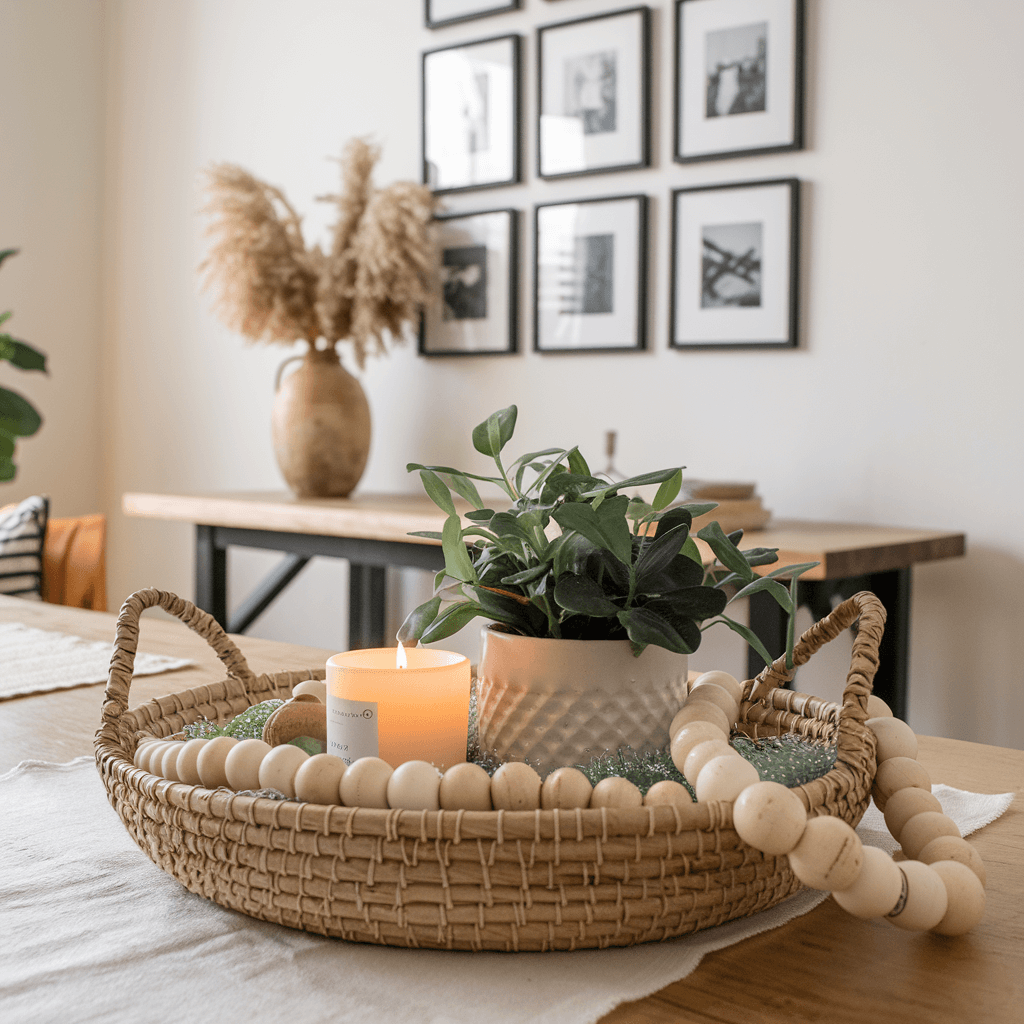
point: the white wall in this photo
(900, 407)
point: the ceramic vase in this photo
(320, 426)
(562, 702)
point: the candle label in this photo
(351, 728)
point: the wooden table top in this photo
(842, 549)
(825, 965)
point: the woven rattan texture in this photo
(527, 880)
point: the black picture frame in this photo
(479, 149)
(615, 289)
(562, 144)
(478, 300)
(763, 125)
(711, 306)
(482, 9)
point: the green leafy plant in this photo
(18, 417)
(573, 558)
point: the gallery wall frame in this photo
(478, 310)
(442, 13)
(735, 269)
(594, 94)
(739, 78)
(470, 111)
(590, 275)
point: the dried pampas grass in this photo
(377, 275)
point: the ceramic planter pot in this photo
(320, 426)
(561, 702)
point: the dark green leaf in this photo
(793, 571)
(4, 317)
(668, 490)
(606, 526)
(570, 551)
(645, 479)
(461, 484)
(638, 508)
(725, 552)
(6, 445)
(450, 621)
(429, 534)
(21, 354)
(457, 562)
(8, 470)
(495, 432)
(412, 467)
(689, 604)
(526, 576)
(578, 464)
(699, 508)
(761, 556)
(480, 515)
(749, 635)
(17, 416)
(581, 595)
(658, 553)
(644, 627)
(5, 253)
(418, 620)
(680, 574)
(692, 552)
(438, 492)
(776, 589)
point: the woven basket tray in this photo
(500, 880)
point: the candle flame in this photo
(401, 658)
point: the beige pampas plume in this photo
(376, 276)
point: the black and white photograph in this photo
(735, 265)
(593, 83)
(471, 115)
(476, 308)
(590, 277)
(441, 13)
(739, 73)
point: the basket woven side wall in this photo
(530, 880)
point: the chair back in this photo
(75, 562)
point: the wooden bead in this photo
(565, 788)
(699, 711)
(701, 754)
(829, 855)
(415, 786)
(210, 762)
(716, 695)
(169, 761)
(965, 898)
(877, 708)
(923, 902)
(729, 683)
(689, 736)
(151, 757)
(769, 817)
(668, 794)
(365, 783)
(242, 765)
(898, 773)
(724, 778)
(954, 848)
(616, 792)
(515, 786)
(904, 804)
(894, 738)
(922, 828)
(876, 889)
(318, 780)
(144, 749)
(186, 765)
(465, 787)
(279, 768)
(317, 687)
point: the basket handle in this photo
(122, 661)
(870, 612)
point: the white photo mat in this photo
(590, 253)
(593, 97)
(477, 309)
(701, 137)
(448, 12)
(767, 204)
(470, 112)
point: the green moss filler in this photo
(246, 726)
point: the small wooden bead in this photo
(699, 711)
(616, 792)
(689, 736)
(210, 762)
(724, 778)
(566, 789)
(149, 757)
(515, 786)
(894, 738)
(923, 902)
(953, 848)
(965, 898)
(904, 804)
(186, 765)
(415, 786)
(279, 768)
(317, 687)
(701, 754)
(144, 748)
(829, 855)
(169, 761)
(922, 828)
(318, 780)
(769, 817)
(876, 889)
(877, 708)
(716, 695)
(898, 773)
(465, 787)
(242, 765)
(365, 783)
(668, 794)
(729, 683)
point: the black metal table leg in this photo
(768, 622)
(211, 574)
(366, 605)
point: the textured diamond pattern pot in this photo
(560, 702)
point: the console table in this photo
(372, 532)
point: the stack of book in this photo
(739, 505)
